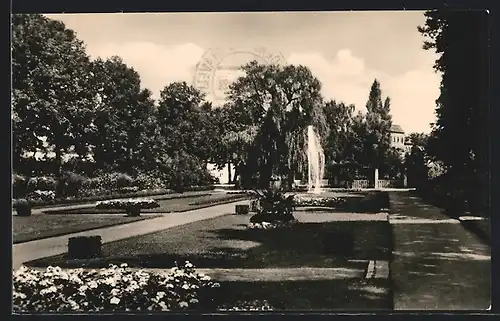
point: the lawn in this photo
(225, 242)
(167, 204)
(41, 226)
(346, 295)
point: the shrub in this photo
(149, 181)
(22, 206)
(115, 289)
(109, 182)
(41, 196)
(123, 180)
(42, 183)
(19, 185)
(72, 183)
(184, 170)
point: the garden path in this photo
(28, 251)
(437, 263)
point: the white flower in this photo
(183, 304)
(185, 287)
(115, 292)
(110, 281)
(93, 284)
(114, 300)
(123, 265)
(83, 288)
(205, 277)
(193, 301)
(160, 294)
(170, 286)
(163, 306)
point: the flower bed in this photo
(115, 289)
(127, 203)
(271, 225)
(42, 196)
(318, 201)
(109, 195)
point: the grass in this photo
(35, 227)
(225, 242)
(167, 204)
(350, 294)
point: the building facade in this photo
(399, 139)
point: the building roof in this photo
(397, 129)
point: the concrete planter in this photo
(84, 247)
(242, 209)
(134, 211)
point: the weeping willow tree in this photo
(279, 102)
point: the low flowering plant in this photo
(255, 305)
(318, 201)
(40, 195)
(127, 203)
(113, 289)
(271, 225)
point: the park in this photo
(278, 200)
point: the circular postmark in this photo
(218, 68)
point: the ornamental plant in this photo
(113, 289)
(132, 206)
(273, 206)
(319, 201)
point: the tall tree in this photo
(125, 117)
(460, 137)
(183, 120)
(378, 122)
(417, 139)
(281, 101)
(50, 96)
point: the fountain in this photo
(315, 160)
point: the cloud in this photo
(156, 64)
(346, 78)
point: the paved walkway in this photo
(437, 264)
(28, 251)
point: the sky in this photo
(346, 51)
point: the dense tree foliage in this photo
(51, 96)
(460, 136)
(276, 104)
(125, 128)
(97, 113)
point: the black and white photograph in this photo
(234, 162)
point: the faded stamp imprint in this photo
(218, 68)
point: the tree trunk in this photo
(229, 180)
(290, 179)
(58, 163)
